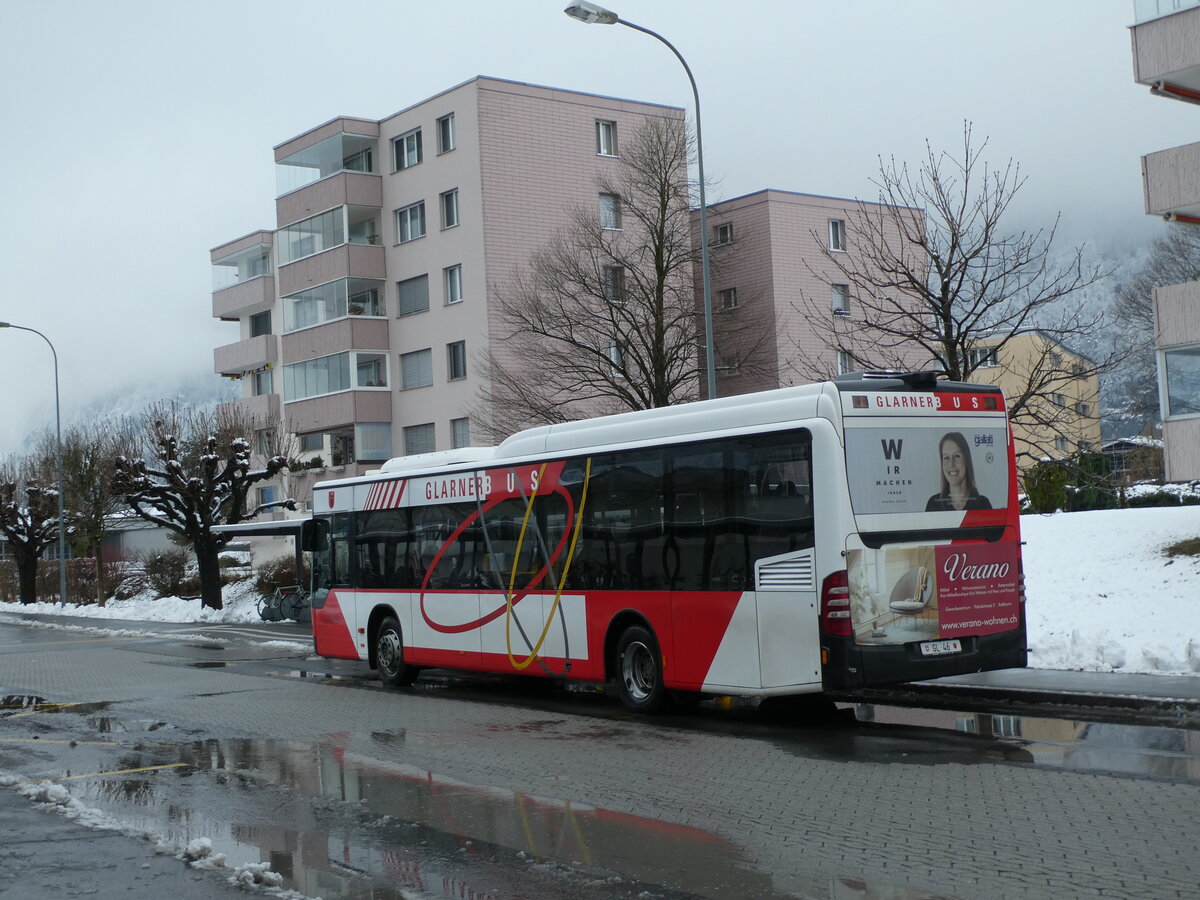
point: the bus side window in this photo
(711, 554)
(778, 503)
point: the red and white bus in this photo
(856, 532)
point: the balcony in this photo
(310, 159)
(264, 408)
(343, 261)
(334, 412)
(246, 356)
(1166, 47)
(342, 189)
(1172, 182)
(333, 300)
(244, 299)
(353, 333)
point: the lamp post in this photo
(62, 527)
(591, 14)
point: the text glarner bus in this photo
(831, 536)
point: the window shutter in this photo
(413, 295)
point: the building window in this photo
(450, 208)
(1062, 445)
(460, 433)
(456, 361)
(1058, 400)
(616, 358)
(416, 369)
(610, 212)
(841, 299)
(1180, 368)
(264, 441)
(1083, 409)
(445, 127)
(983, 358)
(729, 298)
(407, 149)
(315, 377)
(264, 383)
(412, 295)
(312, 443)
(419, 439)
(311, 235)
(614, 284)
(837, 234)
(264, 495)
(843, 362)
(260, 324)
(723, 234)
(606, 138)
(410, 222)
(452, 277)
(370, 370)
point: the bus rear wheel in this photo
(389, 656)
(639, 671)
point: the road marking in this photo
(122, 772)
(89, 743)
(32, 644)
(44, 707)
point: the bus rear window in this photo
(948, 466)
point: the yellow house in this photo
(1062, 416)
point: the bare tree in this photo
(1174, 258)
(935, 278)
(29, 526)
(89, 455)
(605, 317)
(198, 476)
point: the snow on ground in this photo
(1101, 595)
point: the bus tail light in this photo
(835, 604)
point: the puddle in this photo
(336, 821)
(1152, 751)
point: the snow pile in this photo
(240, 599)
(1102, 596)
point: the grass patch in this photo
(1190, 547)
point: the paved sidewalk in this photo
(45, 854)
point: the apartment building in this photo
(363, 314)
(1166, 58)
(777, 294)
(1069, 421)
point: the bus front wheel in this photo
(389, 656)
(639, 671)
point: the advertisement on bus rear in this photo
(933, 593)
(928, 467)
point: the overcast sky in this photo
(138, 135)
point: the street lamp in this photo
(591, 14)
(62, 528)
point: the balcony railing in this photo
(1145, 10)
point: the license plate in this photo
(938, 648)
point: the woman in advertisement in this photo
(958, 478)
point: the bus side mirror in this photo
(314, 536)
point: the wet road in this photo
(486, 787)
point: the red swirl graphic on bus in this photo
(549, 480)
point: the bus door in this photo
(779, 513)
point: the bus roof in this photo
(681, 422)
